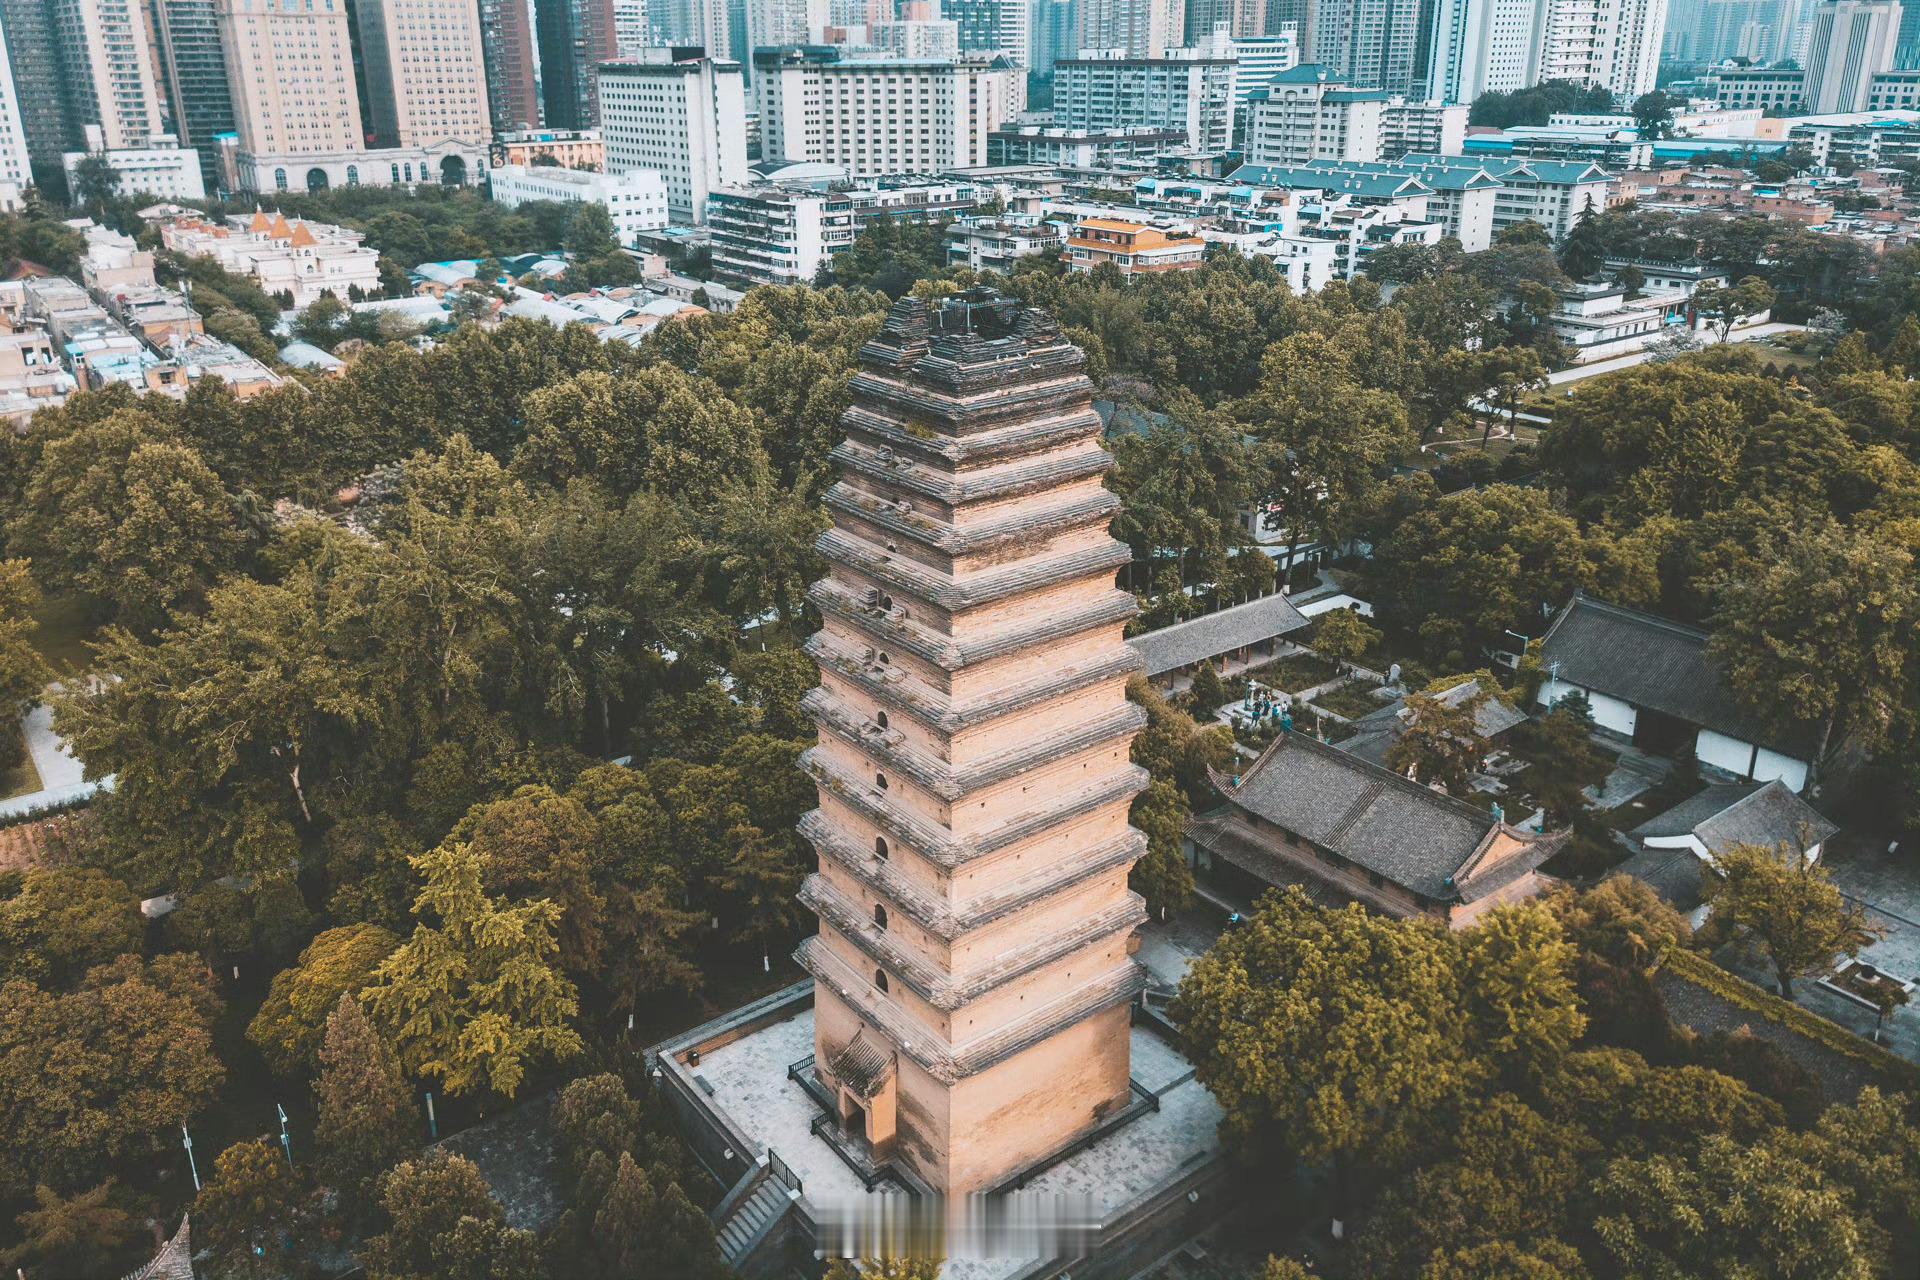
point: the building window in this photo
(353, 175)
(880, 718)
(880, 980)
(880, 781)
(280, 179)
(879, 916)
(880, 847)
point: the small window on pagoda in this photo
(883, 658)
(880, 979)
(879, 916)
(880, 718)
(886, 603)
(880, 848)
(880, 781)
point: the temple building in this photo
(972, 969)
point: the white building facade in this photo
(165, 170)
(684, 118)
(636, 200)
(1190, 89)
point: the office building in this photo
(681, 114)
(575, 37)
(109, 64)
(1190, 89)
(992, 26)
(1853, 41)
(1138, 28)
(425, 74)
(506, 40)
(194, 67)
(877, 115)
(636, 200)
(1777, 90)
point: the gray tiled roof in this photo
(1766, 814)
(1652, 662)
(1674, 874)
(1414, 836)
(1198, 639)
(174, 1261)
(1493, 717)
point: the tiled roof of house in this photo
(1198, 639)
(1766, 814)
(1655, 663)
(1418, 838)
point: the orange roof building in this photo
(1133, 247)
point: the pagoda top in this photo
(956, 340)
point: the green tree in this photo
(1437, 743)
(64, 921)
(1562, 760)
(367, 1118)
(75, 1235)
(1727, 305)
(1517, 977)
(1162, 875)
(1820, 635)
(645, 1227)
(760, 880)
(23, 674)
(1333, 1034)
(322, 321)
(477, 997)
(1344, 636)
(1208, 692)
(1788, 907)
(444, 1224)
(95, 182)
(248, 1204)
(1653, 114)
(101, 1075)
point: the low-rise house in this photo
(1132, 247)
(1239, 635)
(1677, 849)
(1350, 831)
(996, 242)
(1648, 679)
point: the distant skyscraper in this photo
(1371, 44)
(771, 23)
(426, 78)
(195, 69)
(1484, 46)
(506, 38)
(1143, 28)
(108, 56)
(1853, 41)
(1053, 33)
(290, 73)
(16, 166)
(575, 36)
(632, 27)
(993, 26)
(40, 82)
(1241, 18)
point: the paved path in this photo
(62, 778)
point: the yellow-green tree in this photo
(1787, 906)
(476, 997)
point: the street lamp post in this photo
(286, 1142)
(186, 1140)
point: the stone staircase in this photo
(752, 1212)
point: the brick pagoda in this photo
(972, 970)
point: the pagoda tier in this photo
(972, 964)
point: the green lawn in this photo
(1293, 673)
(65, 628)
(1351, 700)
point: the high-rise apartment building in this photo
(110, 66)
(1304, 115)
(506, 40)
(16, 166)
(194, 66)
(1191, 90)
(917, 39)
(1241, 18)
(681, 113)
(1139, 28)
(1485, 46)
(426, 77)
(1853, 41)
(880, 116)
(705, 24)
(993, 26)
(40, 81)
(575, 37)
(1053, 33)
(771, 23)
(1630, 34)
(1373, 44)
(632, 27)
